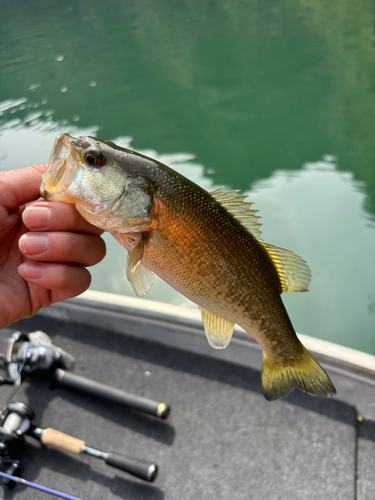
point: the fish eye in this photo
(94, 157)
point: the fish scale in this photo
(190, 251)
(205, 245)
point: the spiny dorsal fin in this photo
(218, 330)
(139, 276)
(294, 273)
(240, 209)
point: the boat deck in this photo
(222, 440)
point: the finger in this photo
(64, 280)
(56, 216)
(84, 249)
(21, 186)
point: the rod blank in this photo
(102, 391)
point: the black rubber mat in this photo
(222, 440)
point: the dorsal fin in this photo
(240, 209)
(294, 273)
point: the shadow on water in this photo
(228, 81)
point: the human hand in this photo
(44, 247)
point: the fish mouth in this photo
(51, 180)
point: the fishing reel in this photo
(15, 423)
(25, 353)
(29, 352)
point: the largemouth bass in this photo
(205, 245)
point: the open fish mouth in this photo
(51, 180)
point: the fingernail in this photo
(31, 270)
(33, 243)
(37, 217)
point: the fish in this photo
(207, 246)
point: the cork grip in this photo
(61, 441)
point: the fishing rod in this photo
(15, 423)
(26, 353)
(50, 491)
(60, 441)
(104, 392)
(14, 420)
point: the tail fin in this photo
(279, 378)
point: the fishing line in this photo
(38, 487)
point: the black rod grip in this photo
(135, 466)
(88, 386)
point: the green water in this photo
(274, 98)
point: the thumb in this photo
(20, 186)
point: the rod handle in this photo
(135, 466)
(102, 391)
(56, 439)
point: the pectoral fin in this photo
(218, 329)
(139, 276)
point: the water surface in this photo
(276, 99)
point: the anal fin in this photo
(218, 330)
(139, 276)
